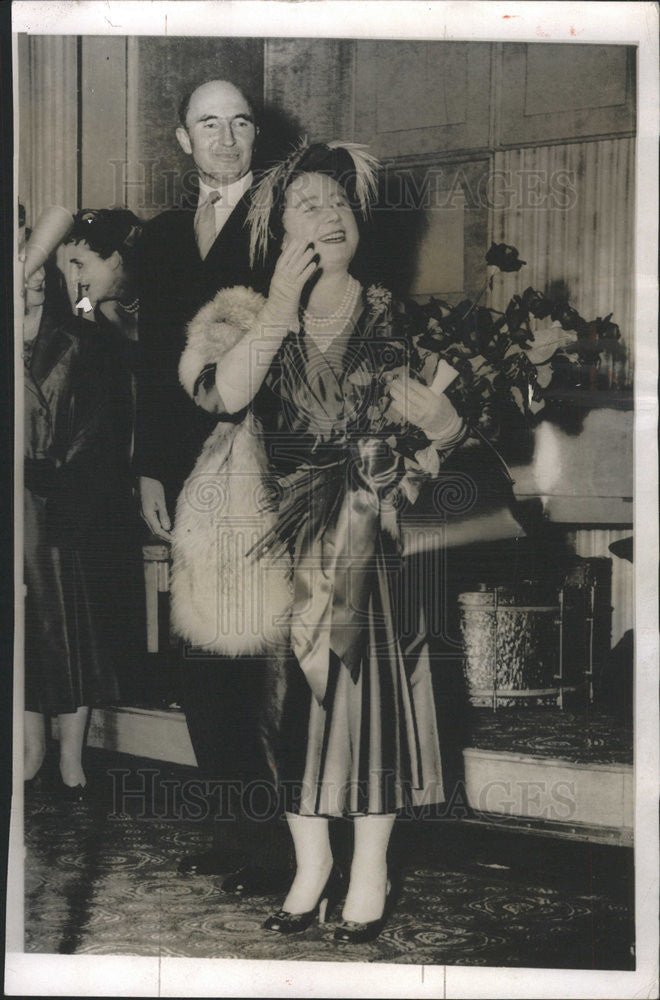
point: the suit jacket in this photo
(173, 283)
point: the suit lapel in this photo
(187, 244)
(232, 238)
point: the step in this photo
(562, 797)
(160, 734)
(584, 800)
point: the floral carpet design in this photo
(105, 883)
(583, 738)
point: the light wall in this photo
(553, 125)
(98, 115)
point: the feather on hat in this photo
(349, 163)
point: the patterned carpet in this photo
(107, 884)
(587, 737)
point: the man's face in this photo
(219, 133)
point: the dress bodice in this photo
(314, 401)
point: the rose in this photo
(536, 303)
(569, 318)
(504, 257)
(379, 299)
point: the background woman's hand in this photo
(296, 264)
(415, 403)
(154, 508)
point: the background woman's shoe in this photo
(33, 786)
(206, 863)
(73, 793)
(292, 923)
(252, 880)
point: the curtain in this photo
(596, 542)
(48, 81)
(569, 210)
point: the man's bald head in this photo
(184, 104)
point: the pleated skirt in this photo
(65, 665)
(372, 747)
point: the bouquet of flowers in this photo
(498, 372)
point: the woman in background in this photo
(78, 426)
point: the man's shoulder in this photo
(180, 215)
(160, 234)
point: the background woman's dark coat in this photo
(77, 505)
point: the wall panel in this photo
(103, 104)
(553, 92)
(310, 81)
(418, 98)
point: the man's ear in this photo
(184, 139)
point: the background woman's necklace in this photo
(324, 329)
(131, 307)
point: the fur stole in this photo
(221, 600)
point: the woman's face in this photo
(100, 278)
(35, 289)
(318, 211)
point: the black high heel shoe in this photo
(72, 793)
(33, 787)
(352, 932)
(292, 923)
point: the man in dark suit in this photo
(187, 255)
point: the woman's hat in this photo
(349, 163)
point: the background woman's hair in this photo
(105, 230)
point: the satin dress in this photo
(360, 734)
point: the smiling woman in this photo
(79, 522)
(318, 211)
(359, 735)
(103, 256)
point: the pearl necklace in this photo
(343, 311)
(132, 307)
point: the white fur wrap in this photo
(221, 600)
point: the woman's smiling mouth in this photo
(336, 236)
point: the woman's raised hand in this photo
(296, 264)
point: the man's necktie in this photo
(205, 223)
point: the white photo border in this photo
(633, 23)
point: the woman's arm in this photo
(243, 368)
(230, 385)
